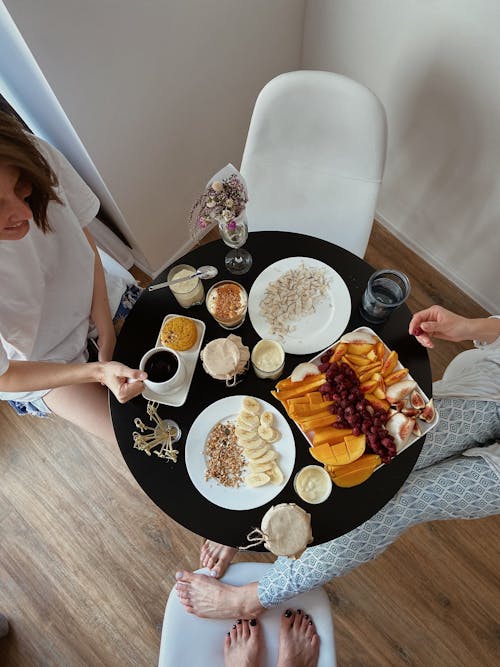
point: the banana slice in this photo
(252, 405)
(256, 443)
(257, 453)
(266, 467)
(248, 416)
(268, 434)
(265, 457)
(267, 418)
(256, 479)
(247, 420)
(275, 438)
(246, 436)
(275, 474)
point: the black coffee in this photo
(161, 366)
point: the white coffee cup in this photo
(162, 362)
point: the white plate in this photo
(243, 497)
(177, 396)
(312, 332)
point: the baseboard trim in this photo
(436, 264)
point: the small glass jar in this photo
(268, 359)
(188, 292)
(227, 302)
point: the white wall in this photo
(435, 65)
(160, 92)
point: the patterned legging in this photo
(443, 485)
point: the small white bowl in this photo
(317, 475)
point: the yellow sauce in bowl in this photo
(313, 484)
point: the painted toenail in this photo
(306, 616)
(228, 634)
(310, 622)
(299, 611)
(239, 621)
(288, 613)
(234, 626)
(253, 621)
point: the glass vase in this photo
(234, 234)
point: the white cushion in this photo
(199, 642)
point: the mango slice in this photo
(329, 434)
(340, 453)
(354, 473)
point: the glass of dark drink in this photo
(165, 369)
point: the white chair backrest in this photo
(314, 158)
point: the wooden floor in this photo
(87, 561)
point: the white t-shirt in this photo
(47, 280)
(475, 374)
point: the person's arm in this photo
(35, 375)
(100, 312)
(438, 322)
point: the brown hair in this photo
(18, 149)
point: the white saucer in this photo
(177, 397)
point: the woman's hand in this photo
(438, 322)
(124, 382)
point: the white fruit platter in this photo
(356, 394)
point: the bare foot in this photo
(299, 642)
(208, 597)
(242, 644)
(216, 557)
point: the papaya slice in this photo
(318, 421)
(305, 411)
(300, 388)
(315, 398)
(354, 473)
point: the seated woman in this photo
(459, 454)
(53, 290)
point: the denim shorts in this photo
(37, 407)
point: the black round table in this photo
(168, 483)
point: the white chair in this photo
(199, 642)
(314, 158)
